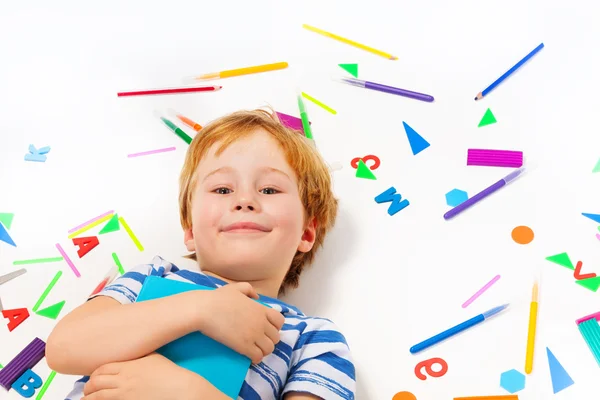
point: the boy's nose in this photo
(246, 203)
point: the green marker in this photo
(304, 117)
(177, 130)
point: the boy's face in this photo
(247, 217)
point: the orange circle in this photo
(522, 234)
(404, 396)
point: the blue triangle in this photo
(593, 217)
(417, 143)
(5, 237)
(560, 378)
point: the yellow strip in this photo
(131, 234)
(531, 337)
(350, 42)
(320, 104)
(90, 226)
(253, 70)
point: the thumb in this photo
(247, 289)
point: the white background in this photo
(388, 282)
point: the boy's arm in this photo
(103, 330)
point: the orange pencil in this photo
(194, 125)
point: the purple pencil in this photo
(387, 89)
(483, 194)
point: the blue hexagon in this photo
(455, 197)
(512, 381)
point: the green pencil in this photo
(177, 130)
(304, 117)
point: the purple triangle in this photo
(291, 122)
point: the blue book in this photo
(220, 365)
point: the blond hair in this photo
(314, 179)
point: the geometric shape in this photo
(590, 330)
(597, 167)
(522, 234)
(319, 103)
(560, 378)
(480, 291)
(6, 219)
(90, 226)
(391, 195)
(495, 158)
(85, 244)
(578, 275)
(91, 220)
(131, 234)
(15, 317)
(118, 262)
(47, 291)
(38, 261)
(35, 157)
(11, 275)
(512, 381)
(487, 119)
(26, 384)
(46, 384)
(416, 141)
(455, 197)
(52, 311)
(370, 157)
(43, 150)
(363, 171)
(111, 226)
(352, 69)
(68, 260)
(404, 396)
(593, 217)
(290, 121)
(561, 259)
(5, 237)
(591, 283)
(147, 153)
(597, 236)
(26, 359)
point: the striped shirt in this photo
(312, 355)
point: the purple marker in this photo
(386, 89)
(484, 193)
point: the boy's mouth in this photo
(245, 227)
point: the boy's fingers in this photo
(272, 333)
(99, 382)
(247, 289)
(266, 345)
(255, 354)
(275, 318)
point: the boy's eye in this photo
(223, 190)
(269, 191)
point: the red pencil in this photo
(171, 91)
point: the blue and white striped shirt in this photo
(311, 357)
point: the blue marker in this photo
(456, 329)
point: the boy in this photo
(256, 203)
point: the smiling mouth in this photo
(244, 230)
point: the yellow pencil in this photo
(240, 71)
(532, 325)
(350, 42)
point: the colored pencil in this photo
(533, 308)
(177, 130)
(483, 194)
(457, 329)
(488, 89)
(170, 91)
(192, 124)
(350, 42)
(240, 71)
(387, 89)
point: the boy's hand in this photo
(153, 377)
(231, 317)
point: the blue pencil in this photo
(507, 73)
(456, 329)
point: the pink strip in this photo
(494, 158)
(587, 317)
(91, 220)
(68, 260)
(480, 291)
(146, 153)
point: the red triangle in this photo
(15, 317)
(579, 276)
(85, 244)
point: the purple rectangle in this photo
(495, 158)
(26, 359)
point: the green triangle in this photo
(562, 259)
(350, 68)
(52, 311)
(591, 283)
(362, 171)
(6, 219)
(111, 226)
(488, 118)
(597, 167)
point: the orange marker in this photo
(195, 126)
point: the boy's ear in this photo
(309, 236)
(188, 240)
